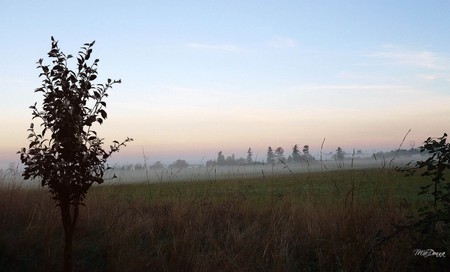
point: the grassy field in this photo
(324, 221)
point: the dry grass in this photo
(275, 224)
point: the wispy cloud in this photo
(281, 42)
(417, 58)
(218, 47)
(353, 87)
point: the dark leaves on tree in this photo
(71, 159)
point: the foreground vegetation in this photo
(326, 221)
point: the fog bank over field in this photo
(149, 174)
(264, 171)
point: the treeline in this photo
(157, 165)
(398, 152)
(272, 156)
(277, 155)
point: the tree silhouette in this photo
(179, 164)
(431, 222)
(71, 159)
(270, 155)
(307, 154)
(279, 154)
(249, 155)
(339, 154)
(296, 154)
(220, 158)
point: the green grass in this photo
(325, 221)
(367, 184)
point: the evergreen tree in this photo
(306, 152)
(249, 155)
(220, 158)
(279, 154)
(270, 155)
(295, 154)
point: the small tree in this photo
(179, 164)
(220, 158)
(339, 154)
(157, 165)
(71, 159)
(279, 154)
(249, 156)
(434, 219)
(270, 155)
(306, 152)
(230, 160)
(295, 154)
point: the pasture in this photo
(333, 220)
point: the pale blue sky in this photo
(204, 76)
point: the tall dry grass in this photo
(194, 227)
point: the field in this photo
(334, 220)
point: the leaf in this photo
(100, 120)
(92, 77)
(103, 114)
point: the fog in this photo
(198, 173)
(122, 174)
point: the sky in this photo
(200, 77)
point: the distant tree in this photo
(306, 151)
(157, 165)
(339, 155)
(241, 161)
(295, 153)
(249, 155)
(71, 159)
(139, 166)
(220, 158)
(270, 155)
(290, 159)
(179, 164)
(230, 160)
(279, 154)
(211, 163)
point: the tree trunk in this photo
(69, 222)
(68, 263)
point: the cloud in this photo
(281, 42)
(416, 58)
(218, 47)
(353, 87)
